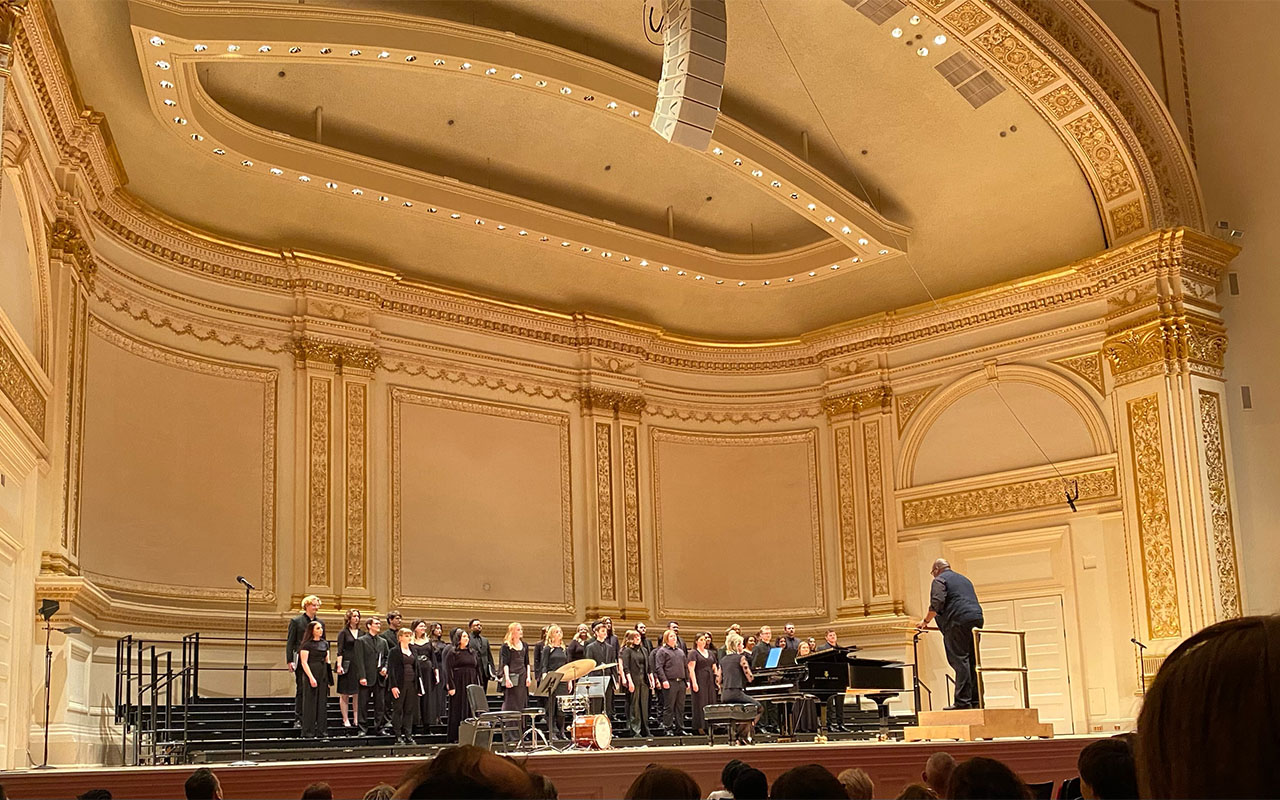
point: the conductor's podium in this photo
(968, 724)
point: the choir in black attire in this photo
(555, 656)
(635, 672)
(405, 680)
(461, 669)
(703, 665)
(670, 671)
(514, 661)
(314, 666)
(438, 695)
(297, 635)
(370, 671)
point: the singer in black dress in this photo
(313, 660)
(703, 672)
(406, 687)
(344, 664)
(735, 676)
(554, 656)
(515, 673)
(461, 669)
(439, 705)
(420, 645)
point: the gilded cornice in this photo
(336, 354)
(10, 12)
(611, 401)
(1009, 498)
(1162, 343)
(877, 397)
(21, 389)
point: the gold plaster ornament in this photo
(1155, 531)
(599, 399)
(1009, 498)
(1227, 576)
(604, 507)
(855, 403)
(631, 513)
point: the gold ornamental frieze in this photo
(336, 354)
(1155, 529)
(1009, 498)
(21, 390)
(1160, 344)
(1226, 574)
(877, 397)
(611, 401)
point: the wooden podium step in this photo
(969, 724)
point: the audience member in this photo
(986, 778)
(382, 791)
(95, 794)
(3, 795)
(750, 784)
(466, 771)
(937, 772)
(808, 781)
(857, 784)
(203, 785)
(543, 788)
(318, 791)
(1107, 771)
(657, 782)
(730, 771)
(1210, 725)
(916, 791)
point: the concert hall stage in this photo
(576, 774)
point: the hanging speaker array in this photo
(694, 45)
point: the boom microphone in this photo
(247, 585)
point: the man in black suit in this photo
(789, 639)
(390, 636)
(484, 655)
(600, 651)
(297, 635)
(371, 675)
(954, 603)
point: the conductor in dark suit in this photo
(297, 635)
(954, 603)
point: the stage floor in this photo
(576, 773)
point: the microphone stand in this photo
(244, 692)
(48, 679)
(1139, 647)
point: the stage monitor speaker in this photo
(694, 46)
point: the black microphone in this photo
(247, 585)
(1139, 644)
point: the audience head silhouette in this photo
(857, 784)
(382, 791)
(203, 785)
(808, 781)
(937, 772)
(466, 771)
(663, 783)
(318, 791)
(916, 791)
(750, 784)
(1210, 726)
(1107, 770)
(986, 778)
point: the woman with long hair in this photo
(635, 683)
(348, 686)
(555, 656)
(515, 669)
(439, 705)
(420, 646)
(313, 657)
(735, 676)
(461, 669)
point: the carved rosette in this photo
(875, 508)
(631, 513)
(604, 507)
(1008, 498)
(318, 405)
(848, 522)
(356, 446)
(1155, 532)
(1226, 576)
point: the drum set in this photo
(587, 731)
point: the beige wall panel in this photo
(744, 505)
(18, 295)
(482, 496)
(979, 435)
(173, 474)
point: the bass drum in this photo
(592, 731)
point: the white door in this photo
(1050, 689)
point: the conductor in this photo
(954, 603)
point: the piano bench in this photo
(728, 715)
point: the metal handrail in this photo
(140, 710)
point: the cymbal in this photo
(576, 669)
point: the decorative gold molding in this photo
(967, 17)
(1009, 498)
(1164, 342)
(65, 241)
(268, 377)
(319, 402)
(1087, 366)
(631, 513)
(1018, 59)
(400, 395)
(873, 469)
(1062, 102)
(908, 403)
(848, 521)
(611, 401)
(808, 436)
(1226, 572)
(1104, 156)
(604, 507)
(357, 480)
(339, 355)
(21, 388)
(1127, 218)
(877, 397)
(1155, 532)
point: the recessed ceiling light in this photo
(383, 198)
(522, 233)
(940, 39)
(665, 268)
(626, 258)
(644, 263)
(757, 173)
(915, 19)
(277, 171)
(540, 84)
(766, 283)
(795, 196)
(697, 277)
(162, 64)
(200, 48)
(611, 105)
(330, 185)
(353, 52)
(157, 41)
(586, 249)
(591, 98)
(357, 192)
(680, 273)
(884, 252)
(845, 230)
(169, 102)
(166, 85)
(717, 150)
(775, 184)
(896, 33)
(634, 114)
(295, 50)
(233, 48)
(266, 48)
(466, 65)
(742, 283)
(491, 71)
(384, 54)
(737, 162)
(246, 163)
(324, 51)
(195, 137)
(830, 218)
(479, 222)
(305, 178)
(455, 216)
(439, 62)
(922, 52)
(565, 90)
(180, 120)
(544, 238)
(606, 254)
(502, 227)
(811, 274)
(410, 59)
(791, 280)
(835, 267)
(863, 241)
(431, 210)
(811, 207)
(719, 282)
(564, 244)
(855, 259)
(218, 151)
(407, 204)
(516, 76)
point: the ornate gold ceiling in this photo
(870, 182)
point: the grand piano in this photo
(826, 673)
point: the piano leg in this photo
(882, 707)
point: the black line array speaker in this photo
(694, 46)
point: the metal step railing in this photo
(145, 681)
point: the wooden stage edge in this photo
(891, 765)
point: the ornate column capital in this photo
(855, 402)
(1167, 343)
(600, 400)
(66, 241)
(341, 356)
